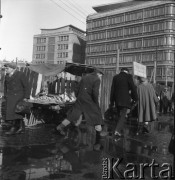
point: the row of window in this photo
(132, 16)
(63, 55)
(51, 55)
(41, 48)
(129, 58)
(63, 38)
(39, 62)
(62, 46)
(51, 40)
(131, 44)
(51, 48)
(132, 30)
(112, 61)
(60, 62)
(39, 56)
(41, 40)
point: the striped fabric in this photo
(34, 79)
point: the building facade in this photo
(141, 31)
(60, 45)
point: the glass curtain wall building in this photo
(143, 31)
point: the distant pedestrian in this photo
(15, 90)
(123, 90)
(147, 101)
(166, 100)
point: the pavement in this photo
(39, 154)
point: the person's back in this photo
(120, 96)
(121, 90)
(122, 84)
(147, 102)
(87, 88)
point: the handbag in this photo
(171, 145)
(23, 107)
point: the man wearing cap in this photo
(120, 96)
(15, 90)
(87, 104)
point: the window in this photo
(62, 46)
(63, 55)
(41, 40)
(63, 38)
(39, 56)
(41, 48)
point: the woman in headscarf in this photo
(147, 101)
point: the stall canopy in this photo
(47, 69)
(54, 69)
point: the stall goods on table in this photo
(53, 99)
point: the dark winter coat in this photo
(147, 103)
(87, 101)
(121, 85)
(15, 89)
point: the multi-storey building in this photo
(143, 31)
(60, 45)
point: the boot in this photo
(97, 145)
(21, 128)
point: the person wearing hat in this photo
(120, 97)
(87, 105)
(15, 90)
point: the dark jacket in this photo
(121, 85)
(15, 89)
(87, 101)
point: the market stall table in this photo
(46, 112)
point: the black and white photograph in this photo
(87, 89)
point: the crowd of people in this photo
(126, 93)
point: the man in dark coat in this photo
(15, 90)
(120, 96)
(87, 103)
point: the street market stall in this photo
(51, 107)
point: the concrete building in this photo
(60, 45)
(141, 31)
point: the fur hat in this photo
(10, 65)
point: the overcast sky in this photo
(22, 19)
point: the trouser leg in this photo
(121, 121)
(20, 126)
(97, 145)
(97, 139)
